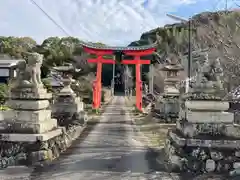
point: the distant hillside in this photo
(219, 32)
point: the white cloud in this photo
(217, 5)
(112, 21)
(189, 1)
(109, 21)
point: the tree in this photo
(16, 46)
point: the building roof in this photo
(118, 48)
(172, 67)
(6, 63)
(53, 82)
(54, 79)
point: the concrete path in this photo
(109, 152)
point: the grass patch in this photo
(93, 112)
(130, 101)
(155, 132)
(93, 120)
(4, 108)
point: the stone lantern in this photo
(67, 107)
(167, 106)
(172, 69)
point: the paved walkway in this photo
(109, 152)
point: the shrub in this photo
(4, 108)
(3, 93)
(47, 85)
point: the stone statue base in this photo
(208, 117)
(167, 108)
(20, 137)
(209, 105)
(28, 120)
(206, 154)
(28, 113)
(28, 127)
(30, 93)
(205, 138)
(38, 149)
(201, 116)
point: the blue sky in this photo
(114, 22)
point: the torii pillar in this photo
(138, 62)
(97, 84)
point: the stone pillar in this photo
(205, 138)
(151, 78)
(29, 119)
(68, 109)
(167, 105)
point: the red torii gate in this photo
(97, 84)
(100, 52)
(138, 62)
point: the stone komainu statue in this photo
(29, 73)
(208, 77)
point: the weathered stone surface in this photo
(53, 144)
(207, 105)
(67, 107)
(237, 153)
(171, 90)
(26, 116)
(28, 105)
(13, 137)
(190, 129)
(30, 94)
(74, 106)
(167, 105)
(176, 161)
(236, 165)
(210, 165)
(182, 141)
(209, 117)
(41, 155)
(232, 130)
(28, 127)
